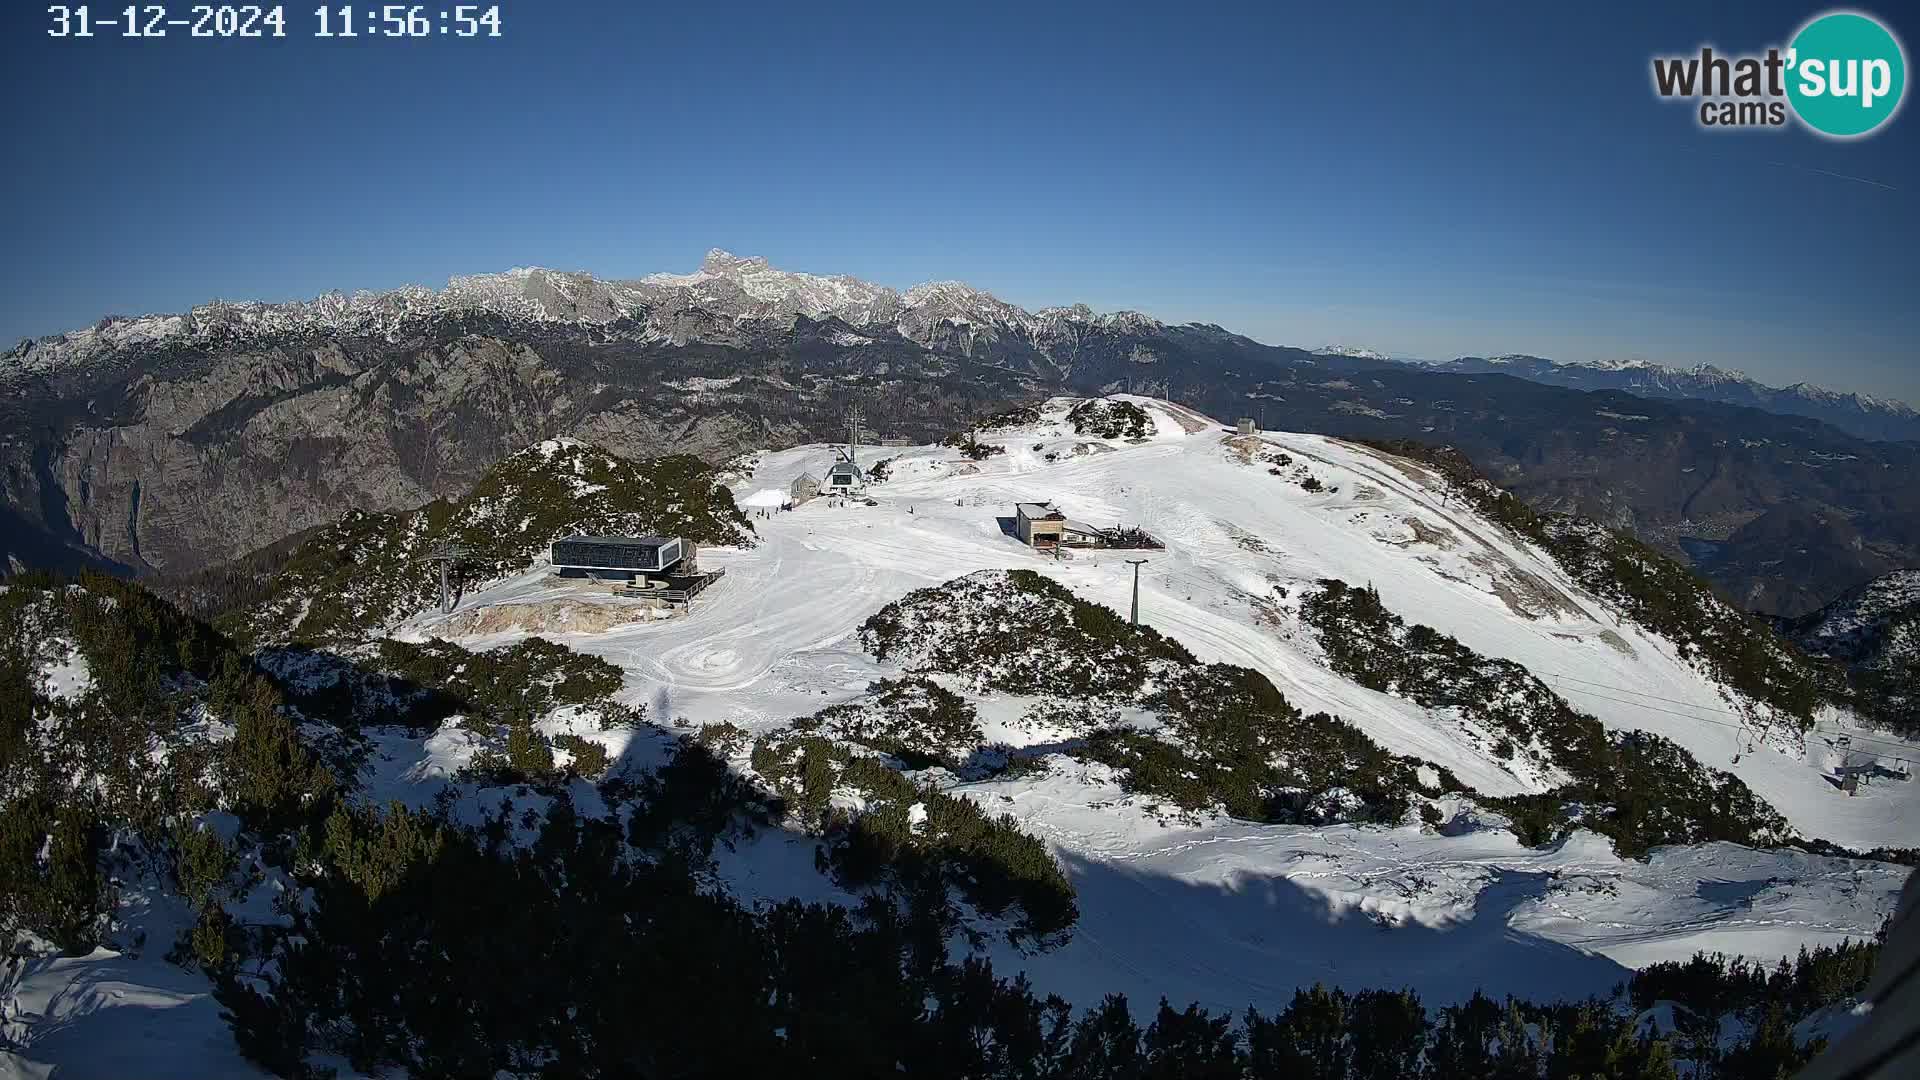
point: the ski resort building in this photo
(843, 478)
(805, 486)
(1039, 525)
(618, 556)
(1080, 534)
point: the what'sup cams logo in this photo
(1842, 76)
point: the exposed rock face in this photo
(250, 446)
(205, 457)
(554, 617)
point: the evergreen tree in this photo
(1190, 1045)
(1105, 1044)
(272, 778)
(62, 895)
(1309, 1040)
(1389, 1034)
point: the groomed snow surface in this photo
(1218, 911)
(1232, 913)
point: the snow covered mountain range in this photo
(729, 287)
(1864, 415)
(747, 290)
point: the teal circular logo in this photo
(1846, 74)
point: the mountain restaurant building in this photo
(618, 556)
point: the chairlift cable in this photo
(1904, 748)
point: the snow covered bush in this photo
(1104, 418)
(902, 832)
(435, 679)
(1018, 416)
(1230, 740)
(1020, 632)
(1233, 743)
(914, 719)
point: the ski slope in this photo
(1222, 912)
(772, 640)
(1229, 912)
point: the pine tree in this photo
(272, 778)
(1105, 1044)
(1190, 1045)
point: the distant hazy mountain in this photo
(1858, 414)
(1355, 352)
(170, 442)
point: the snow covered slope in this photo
(1245, 537)
(1242, 545)
(1195, 907)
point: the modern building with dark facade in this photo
(618, 556)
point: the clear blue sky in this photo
(1429, 179)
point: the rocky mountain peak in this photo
(722, 263)
(714, 302)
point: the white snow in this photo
(1230, 912)
(1233, 913)
(1356, 352)
(1223, 912)
(772, 640)
(67, 677)
(120, 1011)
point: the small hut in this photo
(805, 486)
